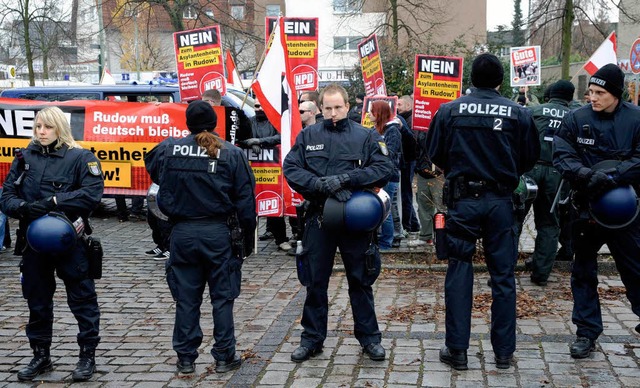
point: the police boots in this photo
(41, 363)
(86, 364)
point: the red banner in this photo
(436, 80)
(301, 35)
(118, 133)
(371, 64)
(199, 62)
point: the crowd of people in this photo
(467, 165)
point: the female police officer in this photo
(54, 173)
(204, 181)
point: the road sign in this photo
(634, 57)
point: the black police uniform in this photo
(547, 118)
(199, 194)
(483, 142)
(585, 138)
(321, 150)
(74, 177)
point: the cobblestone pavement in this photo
(137, 323)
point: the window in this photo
(273, 10)
(209, 13)
(237, 12)
(346, 43)
(347, 6)
(189, 12)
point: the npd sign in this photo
(269, 203)
(305, 77)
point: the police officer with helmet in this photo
(606, 129)
(333, 158)
(547, 117)
(207, 192)
(55, 174)
(483, 142)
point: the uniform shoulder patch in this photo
(94, 168)
(383, 148)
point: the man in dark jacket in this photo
(547, 117)
(332, 158)
(606, 129)
(483, 142)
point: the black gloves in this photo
(37, 209)
(334, 185)
(254, 143)
(599, 183)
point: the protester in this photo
(264, 134)
(389, 129)
(205, 183)
(308, 111)
(55, 174)
(483, 142)
(410, 222)
(606, 129)
(332, 158)
(355, 113)
(312, 96)
(547, 117)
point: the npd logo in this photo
(305, 77)
(269, 203)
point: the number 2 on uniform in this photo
(497, 124)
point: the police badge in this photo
(383, 148)
(94, 168)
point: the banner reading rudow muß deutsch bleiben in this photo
(301, 35)
(436, 80)
(199, 62)
(119, 134)
(371, 64)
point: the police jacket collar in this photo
(340, 125)
(609, 115)
(559, 101)
(48, 150)
(485, 92)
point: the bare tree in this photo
(39, 26)
(238, 34)
(572, 26)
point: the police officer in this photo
(205, 182)
(55, 173)
(608, 128)
(332, 158)
(547, 117)
(483, 142)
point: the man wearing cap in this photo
(606, 129)
(204, 183)
(483, 142)
(547, 117)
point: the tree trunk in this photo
(394, 22)
(567, 23)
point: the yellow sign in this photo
(116, 174)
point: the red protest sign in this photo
(302, 43)
(199, 62)
(436, 80)
(371, 64)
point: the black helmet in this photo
(363, 212)
(617, 207)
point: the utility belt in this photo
(545, 163)
(458, 188)
(215, 218)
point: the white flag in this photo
(605, 54)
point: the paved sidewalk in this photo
(137, 323)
